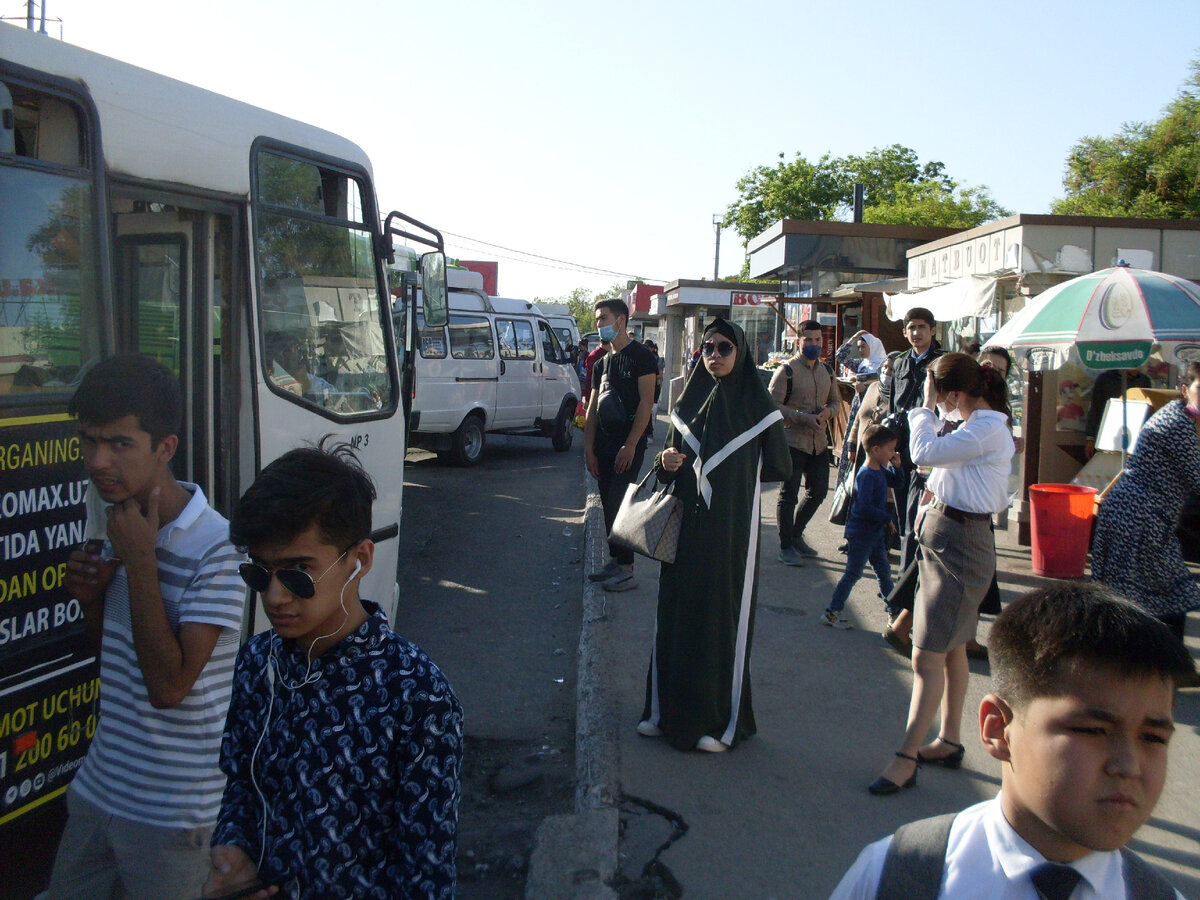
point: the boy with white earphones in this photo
(343, 743)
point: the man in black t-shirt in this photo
(618, 413)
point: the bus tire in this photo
(564, 427)
(467, 442)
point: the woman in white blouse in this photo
(957, 553)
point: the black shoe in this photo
(901, 646)
(881, 787)
(951, 761)
(976, 651)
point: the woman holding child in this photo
(957, 556)
(725, 437)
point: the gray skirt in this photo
(955, 564)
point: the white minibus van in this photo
(496, 366)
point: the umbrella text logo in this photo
(1116, 306)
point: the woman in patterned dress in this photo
(1136, 551)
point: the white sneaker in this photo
(710, 745)
(835, 620)
(649, 729)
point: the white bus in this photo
(242, 249)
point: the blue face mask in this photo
(811, 351)
(608, 332)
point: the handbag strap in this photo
(668, 488)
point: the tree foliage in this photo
(898, 189)
(1147, 170)
(938, 204)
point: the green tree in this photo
(895, 182)
(579, 302)
(1147, 170)
(936, 204)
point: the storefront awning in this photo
(971, 295)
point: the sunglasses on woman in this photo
(296, 582)
(722, 348)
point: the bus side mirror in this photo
(433, 288)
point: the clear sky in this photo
(609, 134)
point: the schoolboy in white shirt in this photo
(1080, 719)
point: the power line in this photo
(550, 259)
(531, 262)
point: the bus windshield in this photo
(322, 320)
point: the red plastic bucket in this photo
(1062, 528)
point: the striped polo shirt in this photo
(159, 766)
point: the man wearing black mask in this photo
(907, 391)
(807, 394)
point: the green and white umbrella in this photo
(1113, 318)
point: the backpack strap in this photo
(916, 860)
(1143, 881)
(787, 395)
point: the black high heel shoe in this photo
(881, 786)
(951, 761)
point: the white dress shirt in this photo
(970, 464)
(987, 860)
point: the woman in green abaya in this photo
(725, 439)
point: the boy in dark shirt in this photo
(343, 742)
(869, 521)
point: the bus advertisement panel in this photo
(49, 684)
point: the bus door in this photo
(326, 361)
(519, 395)
(175, 278)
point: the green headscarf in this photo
(716, 416)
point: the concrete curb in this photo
(575, 856)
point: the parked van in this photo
(497, 366)
(563, 323)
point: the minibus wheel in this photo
(467, 442)
(564, 429)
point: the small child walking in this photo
(869, 521)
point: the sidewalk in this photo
(784, 815)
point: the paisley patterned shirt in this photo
(350, 776)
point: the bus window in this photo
(471, 338)
(431, 340)
(152, 284)
(551, 348)
(525, 345)
(322, 320)
(49, 280)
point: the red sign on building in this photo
(490, 272)
(752, 299)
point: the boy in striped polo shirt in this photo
(168, 603)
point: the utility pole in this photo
(717, 254)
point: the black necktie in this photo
(1054, 881)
